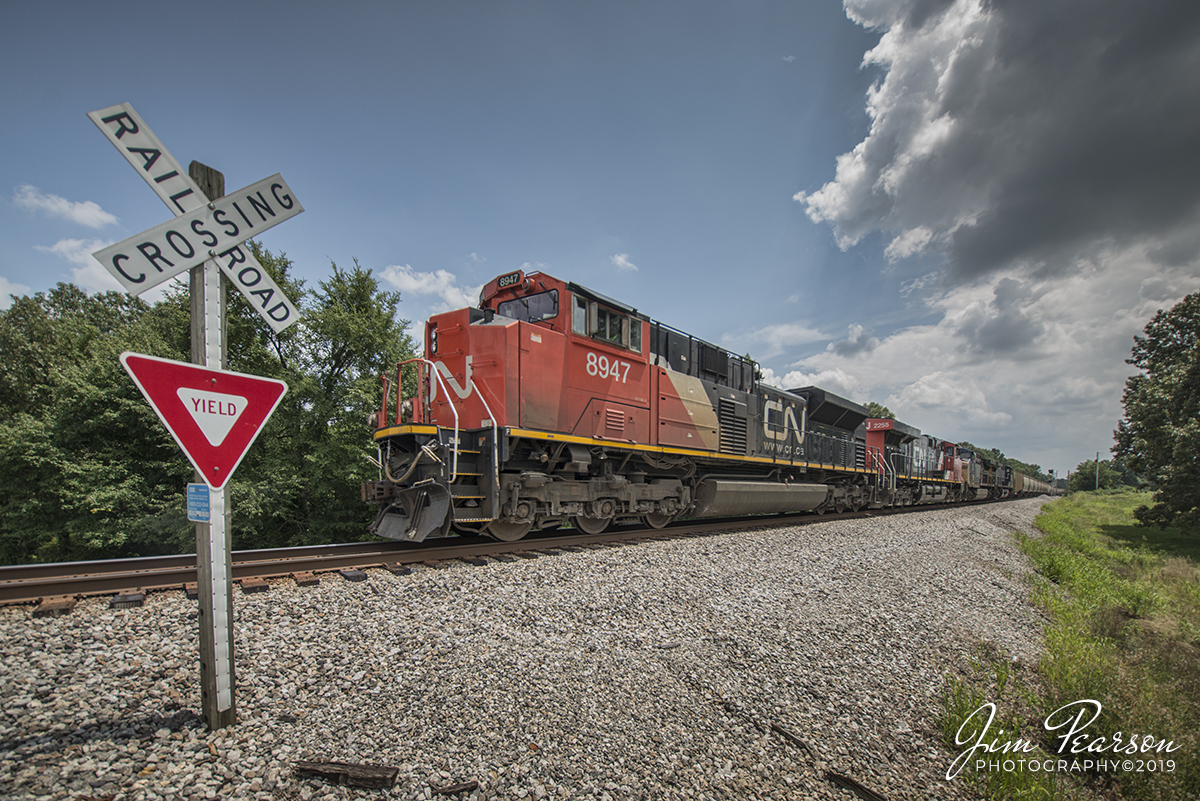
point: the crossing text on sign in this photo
(214, 230)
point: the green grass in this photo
(1123, 628)
(992, 678)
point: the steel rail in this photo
(26, 583)
(22, 584)
(32, 583)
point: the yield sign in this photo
(214, 415)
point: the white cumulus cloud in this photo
(622, 263)
(441, 285)
(1035, 368)
(770, 341)
(859, 340)
(83, 212)
(77, 251)
(834, 380)
(1041, 158)
(8, 289)
(1024, 134)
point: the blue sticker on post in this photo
(199, 509)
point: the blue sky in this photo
(962, 212)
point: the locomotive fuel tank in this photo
(717, 498)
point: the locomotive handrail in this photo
(895, 470)
(881, 464)
(417, 399)
(495, 437)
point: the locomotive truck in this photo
(552, 404)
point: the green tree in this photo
(996, 455)
(1159, 436)
(880, 412)
(1084, 477)
(87, 471)
(86, 468)
(987, 453)
(300, 483)
(1031, 470)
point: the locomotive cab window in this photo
(531, 308)
(591, 319)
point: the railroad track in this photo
(63, 582)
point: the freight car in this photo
(552, 404)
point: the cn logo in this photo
(463, 391)
(789, 422)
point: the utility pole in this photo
(1097, 470)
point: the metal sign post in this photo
(214, 552)
(206, 237)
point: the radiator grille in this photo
(732, 420)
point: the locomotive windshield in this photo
(531, 308)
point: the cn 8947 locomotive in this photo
(551, 404)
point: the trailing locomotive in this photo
(552, 404)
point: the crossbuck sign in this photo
(202, 229)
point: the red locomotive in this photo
(553, 404)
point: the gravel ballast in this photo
(738, 665)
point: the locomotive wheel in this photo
(839, 505)
(654, 520)
(820, 510)
(507, 532)
(591, 525)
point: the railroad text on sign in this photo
(141, 148)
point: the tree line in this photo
(87, 470)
